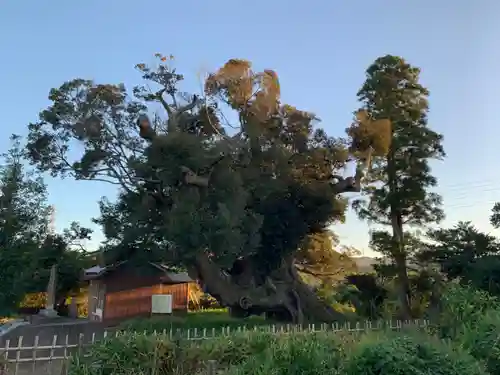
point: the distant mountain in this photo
(365, 264)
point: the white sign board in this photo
(161, 304)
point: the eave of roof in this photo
(96, 272)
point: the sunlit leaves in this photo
(267, 175)
(256, 94)
(370, 135)
(400, 171)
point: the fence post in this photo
(18, 353)
(35, 346)
(212, 367)
(52, 349)
(6, 358)
(80, 344)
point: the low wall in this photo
(70, 331)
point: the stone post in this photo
(51, 294)
(73, 308)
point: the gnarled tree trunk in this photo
(283, 295)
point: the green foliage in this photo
(216, 319)
(27, 250)
(400, 181)
(365, 293)
(465, 253)
(461, 307)
(126, 354)
(495, 215)
(294, 354)
(241, 353)
(384, 352)
(408, 353)
(481, 339)
(23, 223)
(471, 319)
(231, 350)
(262, 192)
(392, 90)
(320, 259)
(466, 343)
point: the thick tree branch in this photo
(173, 114)
(189, 106)
(166, 106)
(191, 178)
(318, 274)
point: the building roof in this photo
(96, 272)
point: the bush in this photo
(463, 307)
(299, 353)
(127, 354)
(410, 354)
(229, 350)
(482, 340)
(242, 353)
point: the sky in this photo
(320, 50)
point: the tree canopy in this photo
(231, 202)
(27, 248)
(400, 181)
(463, 252)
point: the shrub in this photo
(482, 340)
(229, 350)
(242, 353)
(462, 307)
(410, 353)
(126, 354)
(299, 353)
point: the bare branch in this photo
(189, 106)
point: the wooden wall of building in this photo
(137, 302)
(128, 292)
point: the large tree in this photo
(463, 252)
(230, 202)
(27, 248)
(399, 181)
(23, 224)
(495, 216)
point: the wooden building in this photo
(122, 291)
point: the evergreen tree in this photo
(399, 182)
(23, 223)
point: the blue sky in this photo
(320, 50)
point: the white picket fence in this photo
(40, 357)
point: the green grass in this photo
(207, 319)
